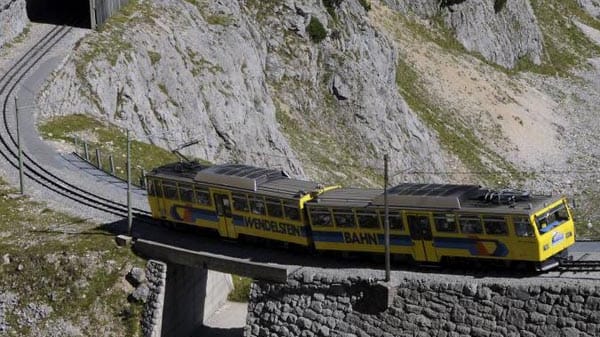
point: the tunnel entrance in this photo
(75, 13)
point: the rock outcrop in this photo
(591, 6)
(502, 32)
(13, 19)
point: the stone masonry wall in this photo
(424, 305)
(156, 273)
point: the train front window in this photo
(151, 189)
(470, 224)
(343, 218)
(495, 225)
(321, 217)
(368, 219)
(445, 222)
(522, 226)
(554, 217)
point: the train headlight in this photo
(569, 234)
(546, 246)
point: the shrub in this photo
(316, 31)
(366, 4)
(498, 5)
(331, 6)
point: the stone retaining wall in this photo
(424, 305)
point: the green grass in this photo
(110, 140)
(241, 289)
(19, 38)
(154, 57)
(565, 46)
(67, 263)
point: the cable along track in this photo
(32, 168)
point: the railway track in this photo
(34, 170)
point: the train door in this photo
(223, 206)
(419, 225)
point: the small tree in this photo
(316, 31)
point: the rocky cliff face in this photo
(324, 89)
(503, 32)
(13, 18)
(245, 79)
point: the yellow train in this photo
(428, 222)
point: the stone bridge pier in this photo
(187, 287)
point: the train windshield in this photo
(552, 219)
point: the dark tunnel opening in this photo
(75, 13)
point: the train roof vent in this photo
(239, 176)
(502, 197)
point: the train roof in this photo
(437, 196)
(239, 177)
(277, 183)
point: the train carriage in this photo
(234, 200)
(428, 222)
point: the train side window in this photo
(257, 205)
(202, 196)
(274, 207)
(344, 218)
(368, 219)
(291, 211)
(151, 189)
(240, 203)
(395, 219)
(522, 226)
(170, 190)
(470, 224)
(495, 225)
(321, 217)
(445, 222)
(186, 192)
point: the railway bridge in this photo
(298, 294)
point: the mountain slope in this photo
(480, 91)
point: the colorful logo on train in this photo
(475, 246)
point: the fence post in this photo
(86, 152)
(111, 162)
(98, 161)
(76, 141)
(143, 179)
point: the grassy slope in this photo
(110, 140)
(66, 263)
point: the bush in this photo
(498, 5)
(366, 4)
(316, 31)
